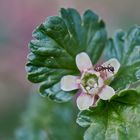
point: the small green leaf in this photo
(126, 48)
(56, 43)
(118, 119)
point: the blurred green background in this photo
(18, 18)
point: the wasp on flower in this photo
(91, 83)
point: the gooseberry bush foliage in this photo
(53, 49)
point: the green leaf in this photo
(48, 121)
(118, 119)
(56, 43)
(126, 48)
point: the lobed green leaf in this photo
(56, 43)
(118, 119)
(126, 48)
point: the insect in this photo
(104, 68)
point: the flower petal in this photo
(100, 82)
(69, 83)
(83, 61)
(93, 91)
(106, 93)
(84, 101)
(115, 64)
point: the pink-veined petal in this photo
(115, 64)
(83, 61)
(69, 83)
(106, 93)
(84, 101)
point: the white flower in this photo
(92, 81)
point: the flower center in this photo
(89, 82)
